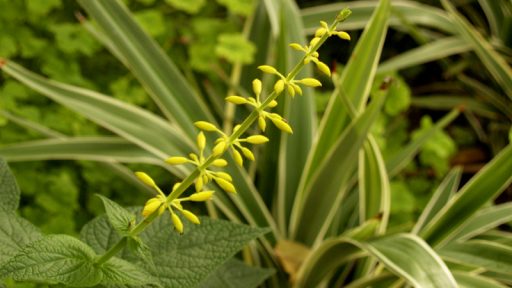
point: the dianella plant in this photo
(303, 205)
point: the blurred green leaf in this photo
(235, 274)
(9, 191)
(7, 46)
(242, 7)
(235, 48)
(42, 8)
(189, 6)
(152, 21)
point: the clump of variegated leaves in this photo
(234, 143)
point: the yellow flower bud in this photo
(238, 158)
(256, 139)
(145, 179)
(282, 125)
(320, 32)
(201, 141)
(279, 86)
(199, 183)
(272, 104)
(225, 185)
(311, 82)
(190, 216)
(247, 153)
(291, 91)
(219, 163)
(297, 88)
(256, 86)
(268, 69)
(261, 123)
(176, 221)
(237, 100)
(314, 41)
(175, 186)
(297, 47)
(225, 176)
(219, 148)
(343, 35)
(151, 206)
(201, 196)
(324, 25)
(323, 68)
(176, 160)
(206, 126)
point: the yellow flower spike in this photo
(238, 158)
(268, 69)
(262, 123)
(298, 47)
(225, 185)
(176, 221)
(220, 163)
(320, 32)
(199, 183)
(145, 179)
(256, 87)
(257, 139)
(311, 82)
(205, 126)
(237, 100)
(219, 148)
(291, 91)
(151, 206)
(247, 153)
(272, 104)
(201, 141)
(224, 176)
(201, 196)
(323, 68)
(281, 124)
(314, 41)
(190, 216)
(279, 86)
(176, 160)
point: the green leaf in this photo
(481, 254)
(235, 48)
(9, 191)
(121, 219)
(441, 196)
(120, 272)
(493, 61)
(42, 8)
(7, 46)
(235, 274)
(152, 21)
(132, 123)
(15, 232)
(473, 280)
(54, 259)
(189, 6)
(485, 220)
(483, 187)
(398, 98)
(425, 269)
(435, 50)
(100, 235)
(242, 7)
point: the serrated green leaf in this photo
(189, 6)
(15, 232)
(120, 218)
(9, 191)
(242, 7)
(120, 272)
(235, 274)
(179, 260)
(235, 48)
(54, 259)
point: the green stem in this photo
(189, 180)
